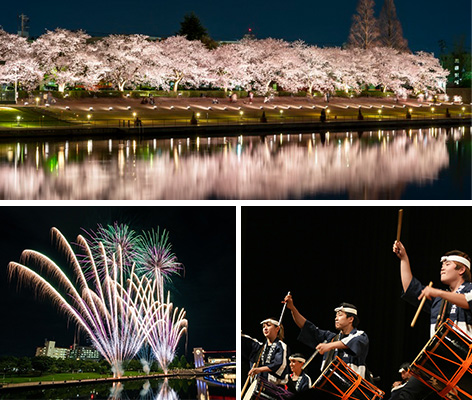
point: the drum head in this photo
(250, 390)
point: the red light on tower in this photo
(250, 29)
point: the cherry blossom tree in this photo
(19, 66)
(122, 58)
(269, 60)
(185, 61)
(425, 72)
(60, 55)
(154, 66)
(364, 31)
(227, 69)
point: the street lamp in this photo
(37, 101)
(18, 118)
(88, 117)
(432, 112)
(380, 113)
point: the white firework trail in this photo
(96, 303)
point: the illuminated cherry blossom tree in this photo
(60, 55)
(185, 61)
(122, 59)
(227, 69)
(19, 66)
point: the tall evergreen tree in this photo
(364, 29)
(192, 28)
(391, 32)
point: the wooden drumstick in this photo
(420, 307)
(247, 381)
(283, 310)
(399, 226)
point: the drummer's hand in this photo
(289, 301)
(397, 383)
(399, 249)
(324, 347)
(254, 371)
(429, 293)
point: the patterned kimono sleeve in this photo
(468, 294)
(412, 293)
(311, 335)
(250, 348)
(358, 344)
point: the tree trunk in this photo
(121, 86)
(61, 87)
(310, 88)
(176, 84)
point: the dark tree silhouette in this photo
(192, 28)
(391, 32)
(364, 31)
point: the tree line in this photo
(40, 365)
(72, 58)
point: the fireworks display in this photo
(116, 294)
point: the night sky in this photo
(203, 238)
(329, 255)
(324, 23)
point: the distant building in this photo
(220, 360)
(199, 357)
(50, 350)
(84, 353)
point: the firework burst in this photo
(96, 303)
(155, 258)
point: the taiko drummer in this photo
(349, 344)
(455, 303)
(298, 380)
(269, 359)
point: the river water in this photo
(433, 163)
(157, 389)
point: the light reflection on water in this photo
(398, 164)
(155, 389)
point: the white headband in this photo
(346, 310)
(297, 359)
(460, 259)
(272, 321)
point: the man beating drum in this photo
(455, 304)
(349, 344)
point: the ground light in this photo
(18, 118)
(88, 117)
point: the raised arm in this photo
(405, 269)
(297, 317)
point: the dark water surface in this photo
(158, 389)
(433, 163)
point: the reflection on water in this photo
(361, 165)
(157, 389)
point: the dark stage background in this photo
(327, 255)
